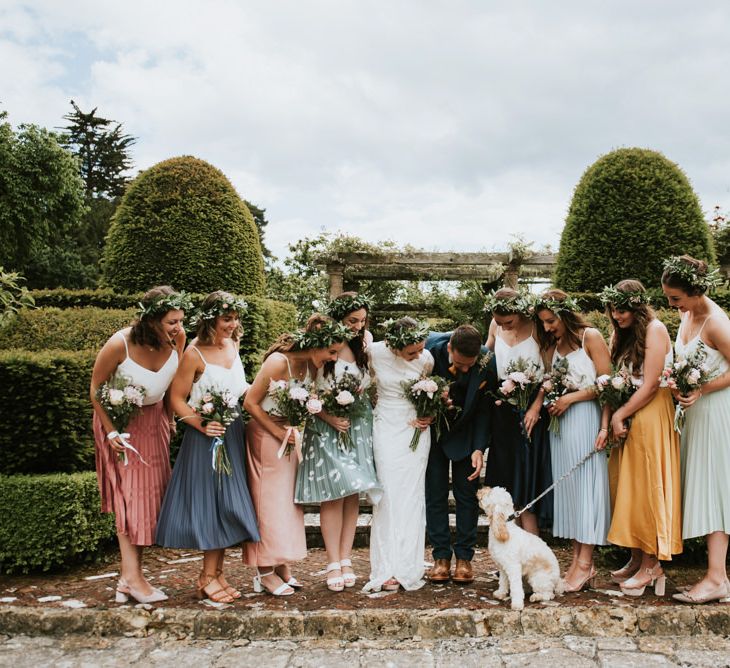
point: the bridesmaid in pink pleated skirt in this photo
(132, 487)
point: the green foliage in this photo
(13, 296)
(100, 298)
(41, 206)
(102, 149)
(182, 223)
(68, 329)
(720, 230)
(631, 209)
(51, 521)
(259, 218)
(45, 424)
(599, 320)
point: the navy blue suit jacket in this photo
(471, 429)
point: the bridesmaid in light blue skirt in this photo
(705, 438)
(582, 500)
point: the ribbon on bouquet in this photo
(127, 446)
(214, 447)
(297, 443)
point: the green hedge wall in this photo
(51, 521)
(63, 329)
(101, 298)
(45, 424)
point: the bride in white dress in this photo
(397, 534)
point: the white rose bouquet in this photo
(343, 397)
(122, 400)
(616, 389)
(685, 376)
(296, 403)
(428, 395)
(218, 406)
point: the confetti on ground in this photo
(8, 599)
(214, 604)
(73, 603)
(102, 576)
(184, 561)
(49, 599)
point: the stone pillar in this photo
(335, 273)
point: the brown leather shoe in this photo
(441, 571)
(463, 573)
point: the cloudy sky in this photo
(447, 125)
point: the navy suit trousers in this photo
(437, 505)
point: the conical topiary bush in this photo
(631, 209)
(182, 223)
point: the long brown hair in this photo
(144, 330)
(575, 324)
(629, 345)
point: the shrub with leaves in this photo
(13, 296)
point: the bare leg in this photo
(576, 554)
(232, 591)
(132, 565)
(350, 511)
(331, 520)
(583, 568)
(717, 543)
(528, 521)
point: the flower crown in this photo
(557, 306)
(339, 307)
(522, 304)
(329, 332)
(398, 336)
(627, 301)
(688, 273)
(177, 301)
(221, 306)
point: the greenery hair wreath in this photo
(339, 307)
(222, 306)
(398, 335)
(178, 301)
(557, 306)
(522, 304)
(689, 273)
(624, 301)
(327, 333)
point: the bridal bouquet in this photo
(556, 384)
(427, 394)
(343, 397)
(122, 400)
(523, 378)
(686, 375)
(616, 389)
(218, 406)
(296, 403)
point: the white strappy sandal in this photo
(258, 586)
(336, 583)
(349, 578)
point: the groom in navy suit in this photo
(470, 369)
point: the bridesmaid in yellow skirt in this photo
(644, 472)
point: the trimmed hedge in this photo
(182, 222)
(631, 209)
(51, 521)
(63, 329)
(45, 424)
(101, 298)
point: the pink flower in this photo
(508, 386)
(618, 382)
(344, 398)
(275, 385)
(547, 386)
(207, 408)
(314, 406)
(299, 394)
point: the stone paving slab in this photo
(24, 651)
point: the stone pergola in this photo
(353, 267)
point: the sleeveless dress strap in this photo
(583, 338)
(195, 348)
(124, 338)
(702, 326)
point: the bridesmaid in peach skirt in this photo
(146, 354)
(271, 479)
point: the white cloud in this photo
(388, 119)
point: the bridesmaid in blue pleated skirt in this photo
(582, 500)
(204, 508)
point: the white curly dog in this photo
(517, 552)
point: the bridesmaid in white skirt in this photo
(705, 445)
(582, 501)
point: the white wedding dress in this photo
(398, 531)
